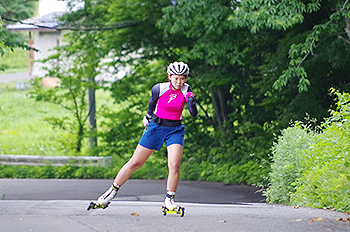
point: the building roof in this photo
(46, 22)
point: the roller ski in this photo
(179, 210)
(97, 205)
(170, 207)
(105, 199)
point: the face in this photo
(177, 81)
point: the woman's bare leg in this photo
(174, 159)
(140, 156)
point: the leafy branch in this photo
(80, 27)
(298, 53)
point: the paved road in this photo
(60, 205)
(134, 190)
(4, 78)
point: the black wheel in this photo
(91, 206)
(182, 211)
(106, 205)
(164, 211)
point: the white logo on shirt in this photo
(172, 97)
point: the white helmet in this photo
(178, 68)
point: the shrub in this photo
(326, 180)
(251, 173)
(286, 168)
(313, 169)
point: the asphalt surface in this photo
(60, 205)
(133, 190)
(8, 77)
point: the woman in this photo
(162, 124)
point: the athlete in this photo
(162, 125)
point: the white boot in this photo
(169, 202)
(107, 197)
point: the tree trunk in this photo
(347, 28)
(92, 117)
(80, 138)
(216, 106)
(220, 105)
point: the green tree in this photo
(235, 64)
(3, 47)
(76, 67)
(330, 30)
(226, 70)
(237, 51)
(213, 76)
(12, 11)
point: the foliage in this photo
(316, 172)
(51, 172)
(75, 66)
(233, 70)
(251, 172)
(3, 47)
(260, 14)
(13, 11)
(286, 168)
(326, 181)
(244, 56)
(73, 100)
(16, 9)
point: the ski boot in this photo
(105, 199)
(170, 207)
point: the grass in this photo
(16, 61)
(23, 129)
(14, 70)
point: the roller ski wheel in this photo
(179, 210)
(94, 205)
